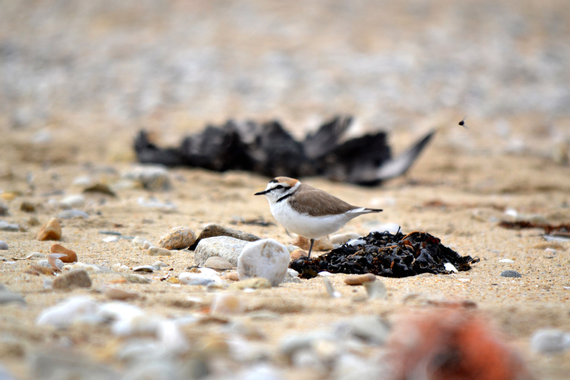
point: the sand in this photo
(510, 156)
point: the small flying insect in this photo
(462, 122)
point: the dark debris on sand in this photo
(387, 255)
(268, 149)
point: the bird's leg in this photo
(311, 248)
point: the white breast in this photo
(311, 227)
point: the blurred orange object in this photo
(451, 343)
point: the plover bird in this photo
(307, 211)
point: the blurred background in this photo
(86, 75)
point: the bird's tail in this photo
(371, 210)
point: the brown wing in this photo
(315, 202)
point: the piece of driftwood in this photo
(270, 150)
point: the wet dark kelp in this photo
(388, 255)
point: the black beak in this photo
(262, 192)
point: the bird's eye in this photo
(278, 187)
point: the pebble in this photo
(144, 268)
(227, 304)
(158, 265)
(67, 312)
(506, 261)
(322, 244)
(366, 327)
(552, 245)
(101, 189)
(3, 210)
(70, 256)
(70, 214)
(46, 264)
(82, 181)
(359, 279)
(119, 294)
(375, 290)
(111, 239)
(450, 268)
(340, 239)
(330, 288)
(28, 207)
(8, 227)
(510, 273)
(156, 251)
(298, 253)
(264, 258)
(115, 233)
(224, 246)
(76, 278)
(73, 201)
(3, 245)
(550, 341)
(232, 276)
(156, 204)
(6, 296)
(177, 238)
(152, 177)
(251, 283)
(50, 231)
(202, 279)
(213, 230)
(50, 364)
(134, 279)
(218, 263)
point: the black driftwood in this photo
(270, 150)
(387, 255)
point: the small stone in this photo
(264, 258)
(33, 221)
(152, 177)
(340, 239)
(119, 294)
(213, 230)
(224, 246)
(552, 245)
(218, 263)
(158, 265)
(506, 261)
(134, 279)
(75, 278)
(70, 256)
(322, 244)
(227, 303)
(511, 273)
(100, 188)
(550, 341)
(359, 279)
(111, 239)
(156, 251)
(177, 238)
(50, 231)
(7, 296)
(202, 279)
(3, 210)
(4, 226)
(144, 268)
(251, 283)
(28, 207)
(375, 290)
(367, 327)
(233, 276)
(3, 245)
(298, 253)
(70, 214)
(73, 201)
(114, 233)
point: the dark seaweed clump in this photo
(387, 255)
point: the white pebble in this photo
(265, 258)
(450, 267)
(111, 239)
(550, 341)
